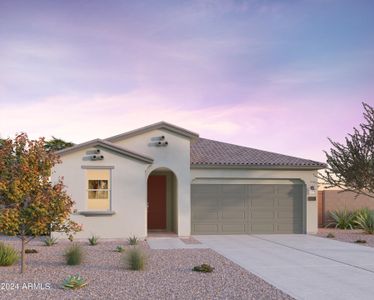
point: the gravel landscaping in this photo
(168, 275)
(349, 236)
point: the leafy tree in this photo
(30, 205)
(56, 144)
(351, 164)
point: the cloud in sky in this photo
(280, 76)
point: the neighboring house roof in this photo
(206, 152)
(109, 146)
(159, 125)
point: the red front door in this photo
(157, 202)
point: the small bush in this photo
(119, 249)
(204, 268)
(342, 219)
(74, 255)
(359, 241)
(8, 255)
(134, 259)
(50, 241)
(74, 282)
(330, 235)
(365, 220)
(30, 251)
(133, 240)
(93, 240)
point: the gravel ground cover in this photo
(168, 275)
(349, 236)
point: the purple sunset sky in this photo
(275, 75)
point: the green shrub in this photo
(204, 268)
(342, 219)
(330, 235)
(134, 259)
(74, 282)
(49, 241)
(119, 249)
(133, 240)
(93, 240)
(30, 251)
(8, 255)
(74, 255)
(365, 220)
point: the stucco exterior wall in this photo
(128, 196)
(175, 157)
(232, 176)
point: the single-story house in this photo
(165, 178)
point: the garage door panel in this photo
(257, 228)
(255, 215)
(210, 216)
(262, 190)
(287, 228)
(285, 214)
(239, 208)
(233, 228)
(205, 228)
(261, 202)
(233, 214)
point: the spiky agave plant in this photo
(73, 282)
(342, 219)
(365, 220)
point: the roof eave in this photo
(108, 146)
(160, 125)
(256, 167)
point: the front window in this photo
(98, 190)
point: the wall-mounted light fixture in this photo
(159, 141)
(97, 157)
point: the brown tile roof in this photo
(213, 153)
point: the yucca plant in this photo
(50, 241)
(134, 259)
(365, 220)
(93, 240)
(133, 240)
(8, 255)
(74, 255)
(342, 219)
(74, 282)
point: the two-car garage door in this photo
(247, 208)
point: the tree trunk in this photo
(23, 264)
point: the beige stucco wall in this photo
(129, 194)
(129, 185)
(175, 157)
(267, 176)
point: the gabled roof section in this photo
(160, 125)
(210, 153)
(109, 146)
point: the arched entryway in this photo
(162, 201)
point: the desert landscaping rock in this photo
(349, 236)
(168, 275)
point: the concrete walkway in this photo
(171, 243)
(305, 267)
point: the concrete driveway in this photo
(305, 267)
